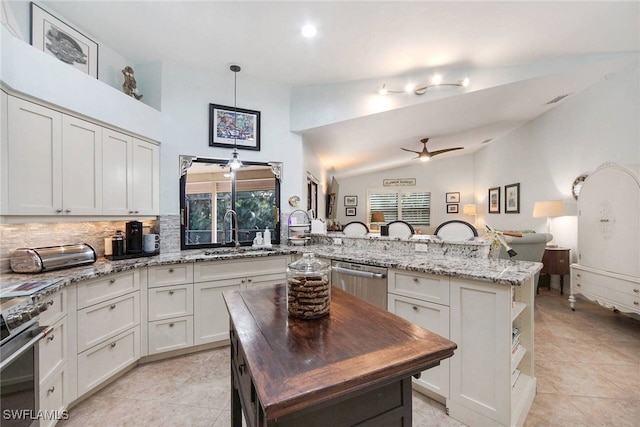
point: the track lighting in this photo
(422, 89)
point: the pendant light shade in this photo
(234, 161)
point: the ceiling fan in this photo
(425, 155)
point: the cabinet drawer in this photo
(426, 287)
(53, 398)
(176, 274)
(170, 301)
(170, 334)
(611, 289)
(99, 290)
(103, 361)
(265, 280)
(215, 270)
(56, 308)
(53, 350)
(103, 321)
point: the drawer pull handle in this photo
(113, 344)
(415, 308)
(249, 280)
(50, 302)
(242, 281)
(171, 270)
(58, 210)
(636, 290)
(171, 325)
(51, 390)
(578, 284)
(636, 303)
(578, 275)
(51, 337)
(171, 292)
(112, 306)
(112, 281)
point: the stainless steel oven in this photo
(19, 391)
(365, 281)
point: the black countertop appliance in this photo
(134, 237)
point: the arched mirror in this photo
(209, 189)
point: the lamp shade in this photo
(470, 209)
(548, 208)
(377, 216)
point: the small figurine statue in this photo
(129, 86)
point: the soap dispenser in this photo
(267, 237)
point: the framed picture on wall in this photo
(351, 201)
(55, 38)
(512, 198)
(234, 127)
(494, 200)
(350, 212)
(453, 197)
(452, 208)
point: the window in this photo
(412, 206)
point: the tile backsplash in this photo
(37, 235)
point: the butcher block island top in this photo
(350, 366)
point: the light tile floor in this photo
(587, 365)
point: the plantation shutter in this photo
(416, 207)
(386, 203)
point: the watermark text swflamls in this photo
(30, 414)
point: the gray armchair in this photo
(529, 247)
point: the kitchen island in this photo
(351, 366)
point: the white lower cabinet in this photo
(53, 394)
(108, 327)
(482, 318)
(423, 299)
(103, 361)
(435, 318)
(210, 312)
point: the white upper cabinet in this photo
(31, 159)
(57, 164)
(81, 167)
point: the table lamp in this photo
(548, 208)
(377, 218)
(471, 209)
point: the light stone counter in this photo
(473, 267)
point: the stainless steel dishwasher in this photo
(365, 281)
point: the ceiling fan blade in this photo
(446, 150)
(411, 151)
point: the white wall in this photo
(589, 128)
(438, 175)
(186, 95)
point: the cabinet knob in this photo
(242, 281)
(51, 337)
(171, 325)
(578, 275)
(51, 390)
(112, 281)
(415, 308)
(130, 212)
(58, 210)
(415, 279)
(249, 280)
(578, 284)
(67, 210)
(636, 303)
(171, 270)
(112, 306)
(136, 211)
(113, 344)
(50, 302)
(636, 291)
(171, 292)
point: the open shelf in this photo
(517, 357)
(518, 308)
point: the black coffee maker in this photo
(134, 237)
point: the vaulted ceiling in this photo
(378, 40)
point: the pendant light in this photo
(235, 163)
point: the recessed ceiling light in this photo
(309, 31)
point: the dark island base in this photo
(382, 405)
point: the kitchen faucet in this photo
(224, 230)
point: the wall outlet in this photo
(421, 247)
(337, 241)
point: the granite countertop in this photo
(499, 271)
